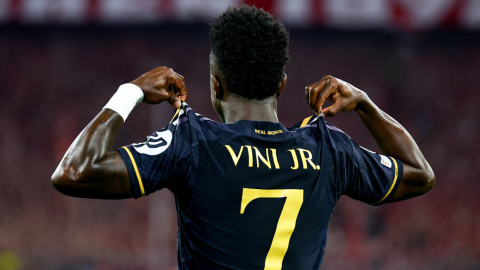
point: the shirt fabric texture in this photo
(255, 195)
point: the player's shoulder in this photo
(308, 122)
(185, 116)
(343, 143)
(340, 140)
(318, 123)
(194, 123)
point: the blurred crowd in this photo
(54, 80)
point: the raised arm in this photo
(89, 169)
(391, 137)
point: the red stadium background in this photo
(355, 14)
(61, 60)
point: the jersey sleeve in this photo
(163, 160)
(367, 176)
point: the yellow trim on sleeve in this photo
(176, 113)
(393, 184)
(305, 121)
(140, 183)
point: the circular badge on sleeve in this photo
(156, 144)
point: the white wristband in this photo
(124, 100)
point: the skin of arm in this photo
(89, 169)
(391, 137)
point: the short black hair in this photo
(251, 50)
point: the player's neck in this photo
(236, 108)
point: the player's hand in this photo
(344, 96)
(162, 84)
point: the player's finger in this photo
(320, 99)
(173, 99)
(180, 77)
(328, 112)
(180, 88)
(329, 88)
(316, 90)
(308, 89)
(314, 93)
(332, 110)
(176, 84)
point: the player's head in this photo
(249, 53)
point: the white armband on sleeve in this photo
(125, 99)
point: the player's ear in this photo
(282, 85)
(217, 87)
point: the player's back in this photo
(262, 197)
(252, 195)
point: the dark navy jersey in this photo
(255, 195)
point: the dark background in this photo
(54, 80)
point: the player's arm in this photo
(391, 137)
(89, 169)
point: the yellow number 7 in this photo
(286, 222)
